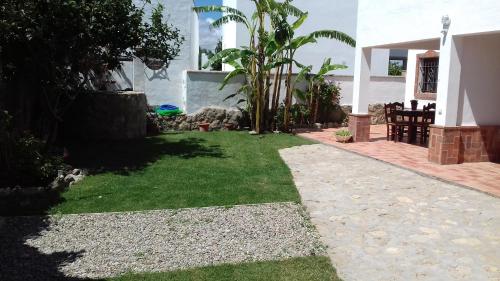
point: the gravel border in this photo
(110, 244)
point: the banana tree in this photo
(294, 45)
(315, 81)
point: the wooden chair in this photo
(395, 124)
(428, 118)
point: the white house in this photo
(166, 85)
(457, 40)
(339, 15)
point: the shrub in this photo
(23, 158)
(343, 133)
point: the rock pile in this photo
(62, 181)
(218, 118)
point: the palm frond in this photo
(299, 21)
(333, 34)
(220, 56)
(231, 75)
(229, 18)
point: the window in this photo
(426, 75)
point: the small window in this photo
(428, 75)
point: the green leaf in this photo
(299, 21)
(333, 34)
(231, 75)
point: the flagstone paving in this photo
(382, 222)
(483, 176)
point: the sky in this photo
(208, 35)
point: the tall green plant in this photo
(270, 50)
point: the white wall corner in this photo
(184, 89)
(361, 86)
(448, 90)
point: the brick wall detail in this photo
(359, 126)
(455, 145)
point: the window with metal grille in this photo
(428, 75)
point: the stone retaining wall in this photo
(218, 118)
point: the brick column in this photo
(359, 126)
(454, 145)
(444, 145)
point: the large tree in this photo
(51, 49)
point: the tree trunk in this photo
(288, 98)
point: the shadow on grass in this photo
(122, 157)
(22, 262)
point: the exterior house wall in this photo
(411, 74)
(417, 20)
(467, 117)
(202, 89)
(165, 85)
(479, 95)
(323, 14)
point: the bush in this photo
(23, 158)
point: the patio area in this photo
(483, 176)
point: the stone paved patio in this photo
(382, 222)
(481, 176)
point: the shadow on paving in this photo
(122, 157)
(21, 262)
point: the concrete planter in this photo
(203, 127)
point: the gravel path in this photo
(109, 244)
(381, 222)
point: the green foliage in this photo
(296, 269)
(343, 133)
(51, 51)
(216, 169)
(160, 40)
(23, 160)
(395, 69)
(270, 52)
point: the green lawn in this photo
(299, 269)
(180, 170)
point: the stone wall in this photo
(375, 110)
(107, 115)
(218, 118)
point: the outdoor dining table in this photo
(412, 116)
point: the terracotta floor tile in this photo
(481, 176)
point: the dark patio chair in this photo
(428, 118)
(395, 124)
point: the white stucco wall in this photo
(339, 15)
(479, 98)
(410, 79)
(383, 89)
(384, 22)
(416, 24)
(202, 90)
(166, 85)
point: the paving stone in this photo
(399, 225)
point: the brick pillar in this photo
(444, 145)
(359, 126)
(454, 145)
